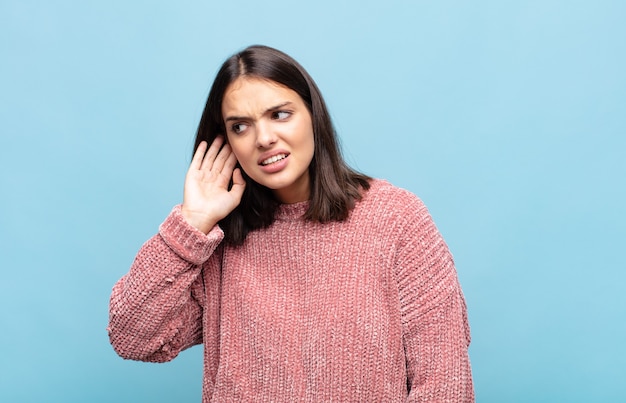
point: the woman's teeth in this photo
(273, 159)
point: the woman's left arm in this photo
(434, 315)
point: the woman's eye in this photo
(238, 128)
(281, 115)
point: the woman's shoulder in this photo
(382, 192)
(396, 212)
(386, 202)
(388, 210)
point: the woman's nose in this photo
(265, 136)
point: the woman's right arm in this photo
(156, 309)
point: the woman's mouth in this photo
(274, 163)
(273, 159)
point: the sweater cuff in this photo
(187, 241)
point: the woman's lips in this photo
(273, 159)
(274, 163)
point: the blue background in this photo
(507, 118)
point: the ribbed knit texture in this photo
(365, 310)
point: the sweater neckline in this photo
(295, 211)
(290, 212)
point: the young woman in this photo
(304, 280)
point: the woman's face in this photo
(269, 129)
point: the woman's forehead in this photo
(253, 95)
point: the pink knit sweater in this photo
(365, 310)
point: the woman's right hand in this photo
(206, 198)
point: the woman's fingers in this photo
(212, 152)
(207, 197)
(196, 161)
(239, 184)
(214, 164)
(223, 159)
(230, 164)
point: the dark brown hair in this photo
(335, 187)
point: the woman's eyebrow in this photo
(275, 108)
(270, 109)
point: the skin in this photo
(263, 120)
(206, 198)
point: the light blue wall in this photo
(507, 118)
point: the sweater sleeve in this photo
(434, 316)
(155, 310)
